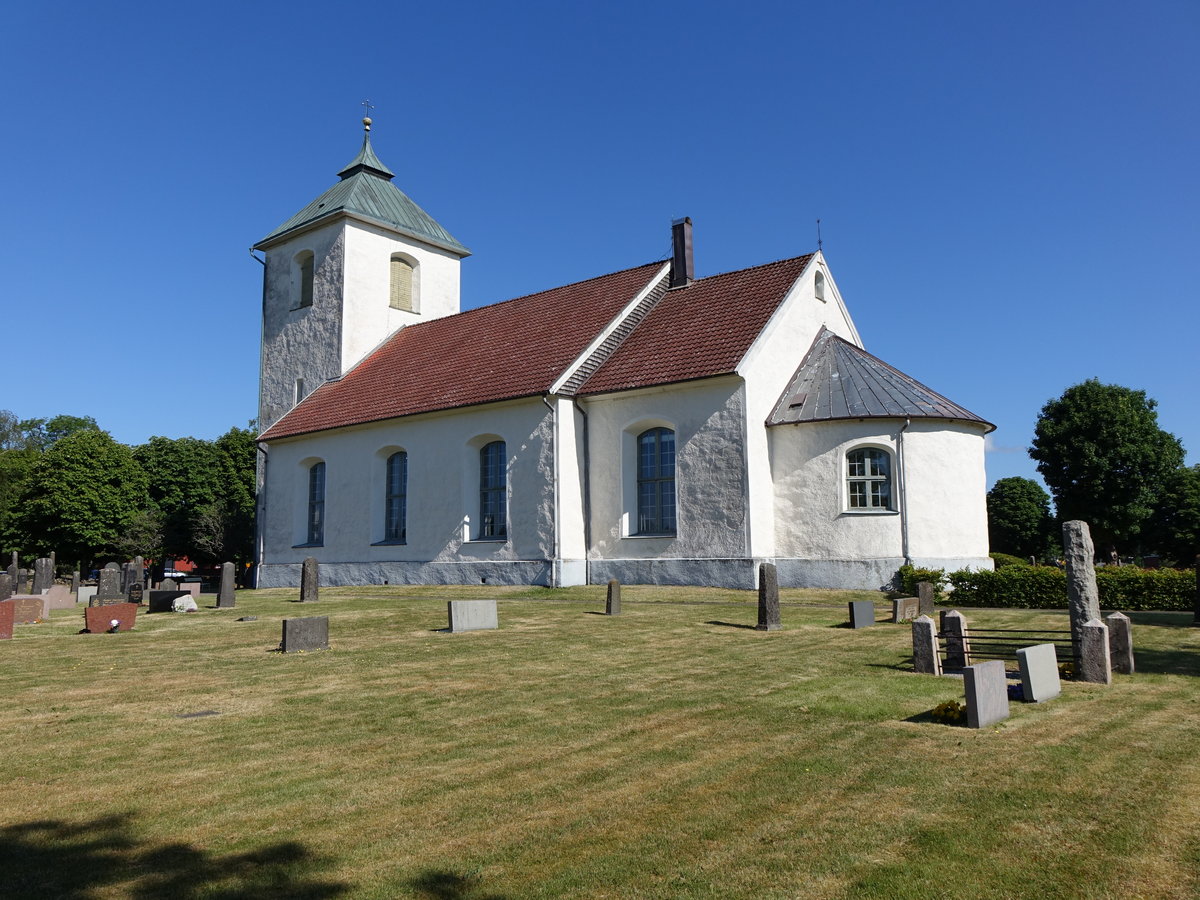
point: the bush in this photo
(910, 576)
(1005, 559)
(1044, 587)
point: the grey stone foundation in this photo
(350, 574)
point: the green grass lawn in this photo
(673, 751)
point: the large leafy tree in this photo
(1174, 529)
(183, 477)
(223, 530)
(1019, 519)
(1100, 451)
(81, 497)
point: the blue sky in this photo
(1007, 192)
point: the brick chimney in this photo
(682, 271)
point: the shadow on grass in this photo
(438, 884)
(731, 624)
(1165, 662)
(76, 860)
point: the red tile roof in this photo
(700, 330)
(517, 348)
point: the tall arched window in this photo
(304, 262)
(656, 481)
(819, 285)
(316, 503)
(493, 502)
(402, 283)
(396, 498)
(868, 479)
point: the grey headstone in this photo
(137, 574)
(135, 593)
(768, 598)
(905, 609)
(75, 583)
(311, 633)
(958, 644)
(1083, 598)
(85, 594)
(58, 597)
(109, 587)
(862, 613)
(1039, 672)
(6, 586)
(43, 575)
(926, 659)
(126, 574)
(1094, 662)
(26, 580)
(1120, 642)
(310, 578)
(168, 584)
(225, 595)
(15, 561)
(14, 572)
(472, 615)
(612, 603)
(986, 687)
(926, 596)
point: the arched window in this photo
(868, 479)
(402, 283)
(316, 503)
(396, 498)
(656, 481)
(493, 502)
(819, 286)
(304, 262)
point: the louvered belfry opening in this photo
(682, 270)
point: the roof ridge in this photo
(777, 262)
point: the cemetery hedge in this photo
(1045, 587)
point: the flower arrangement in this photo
(950, 713)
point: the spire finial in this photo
(367, 107)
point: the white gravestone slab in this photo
(1039, 672)
(986, 687)
(86, 593)
(472, 615)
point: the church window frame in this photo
(493, 492)
(315, 519)
(395, 501)
(305, 262)
(868, 476)
(656, 511)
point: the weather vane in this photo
(367, 107)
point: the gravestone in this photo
(14, 574)
(1083, 598)
(85, 594)
(135, 593)
(768, 598)
(311, 633)
(169, 584)
(99, 619)
(225, 595)
(192, 587)
(164, 601)
(43, 575)
(310, 578)
(1095, 664)
(6, 586)
(1039, 672)
(926, 596)
(986, 687)
(905, 609)
(958, 644)
(28, 608)
(109, 588)
(59, 597)
(926, 659)
(862, 613)
(25, 581)
(472, 615)
(75, 583)
(7, 608)
(612, 603)
(1120, 643)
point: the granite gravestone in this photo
(6, 586)
(1120, 642)
(58, 597)
(958, 644)
(85, 594)
(905, 609)
(768, 598)
(108, 590)
(169, 584)
(1083, 598)
(310, 578)
(986, 687)
(612, 603)
(862, 613)
(1039, 673)
(28, 608)
(926, 658)
(75, 583)
(7, 609)
(225, 595)
(43, 575)
(14, 574)
(472, 615)
(311, 633)
(113, 617)
(925, 597)
(1095, 665)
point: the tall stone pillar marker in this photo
(925, 597)
(43, 575)
(1083, 598)
(768, 598)
(612, 603)
(1095, 664)
(310, 576)
(926, 659)
(6, 586)
(1120, 642)
(225, 596)
(958, 644)
(75, 584)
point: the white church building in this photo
(644, 425)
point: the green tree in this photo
(1019, 519)
(1174, 529)
(183, 477)
(80, 498)
(1099, 449)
